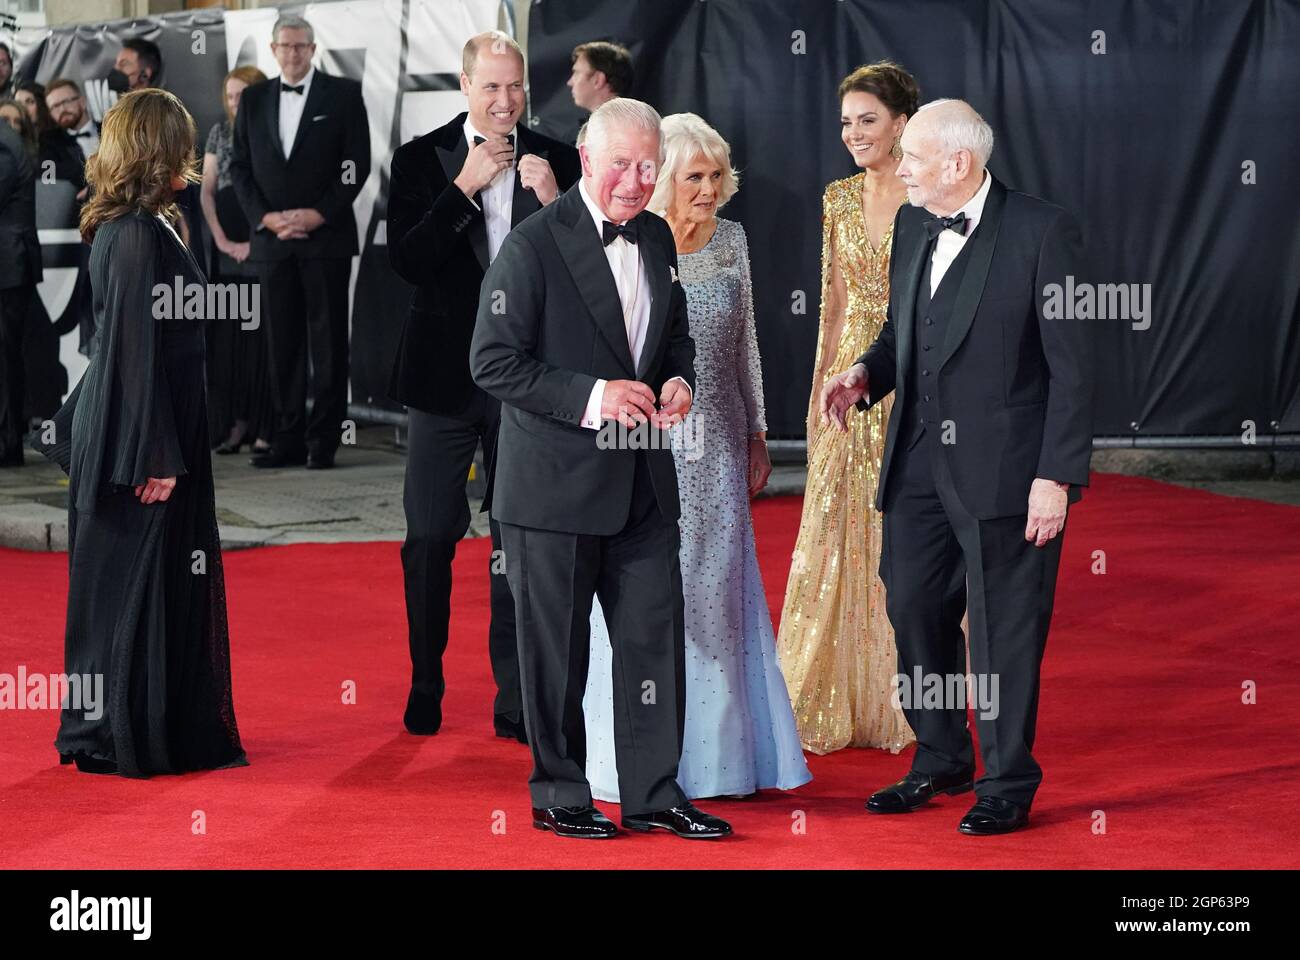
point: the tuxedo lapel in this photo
(584, 255)
(451, 154)
(656, 266)
(316, 98)
(525, 202)
(981, 243)
(909, 281)
(273, 117)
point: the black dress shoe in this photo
(273, 459)
(992, 815)
(509, 729)
(580, 823)
(916, 789)
(88, 764)
(686, 821)
(423, 714)
(320, 461)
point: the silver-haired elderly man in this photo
(988, 444)
(581, 320)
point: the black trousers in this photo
(440, 451)
(14, 304)
(936, 562)
(637, 576)
(306, 312)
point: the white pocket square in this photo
(319, 116)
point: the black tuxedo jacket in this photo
(1016, 385)
(21, 264)
(325, 170)
(437, 240)
(550, 324)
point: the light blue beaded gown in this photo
(740, 730)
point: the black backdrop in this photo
(1145, 143)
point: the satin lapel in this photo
(982, 243)
(583, 254)
(656, 266)
(315, 100)
(452, 159)
(905, 318)
(273, 118)
(525, 202)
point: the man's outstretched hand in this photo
(841, 392)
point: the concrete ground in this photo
(361, 499)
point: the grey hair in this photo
(685, 137)
(623, 112)
(291, 21)
(970, 132)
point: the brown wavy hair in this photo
(146, 139)
(249, 74)
(888, 82)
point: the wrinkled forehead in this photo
(918, 138)
(628, 142)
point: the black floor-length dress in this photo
(146, 592)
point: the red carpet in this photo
(1141, 719)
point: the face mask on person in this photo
(117, 81)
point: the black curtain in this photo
(1148, 143)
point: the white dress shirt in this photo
(633, 293)
(950, 243)
(87, 137)
(291, 108)
(498, 196)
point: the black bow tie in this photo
(937, 225)
(84, 133)
(290, 88)
(612, 231)
(510, 139)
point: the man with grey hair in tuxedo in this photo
(988, 443)
(581, 321)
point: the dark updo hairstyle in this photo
(886, 81)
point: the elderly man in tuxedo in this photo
(454, 196)
(300, 155)
(988, 443)
(581, 321)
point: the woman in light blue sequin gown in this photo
(740, 731)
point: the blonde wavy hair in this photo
(685, 137)
(147, 138)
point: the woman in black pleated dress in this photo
(146, 593)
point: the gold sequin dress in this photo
(835, 643)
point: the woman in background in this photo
(740, 735)
(836, 643)
(146, 591)
(239, 386)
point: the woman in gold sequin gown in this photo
(835, 643)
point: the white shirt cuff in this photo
(591, 416)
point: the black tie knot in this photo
(612, 231)
(937, 225)
(510, 139)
